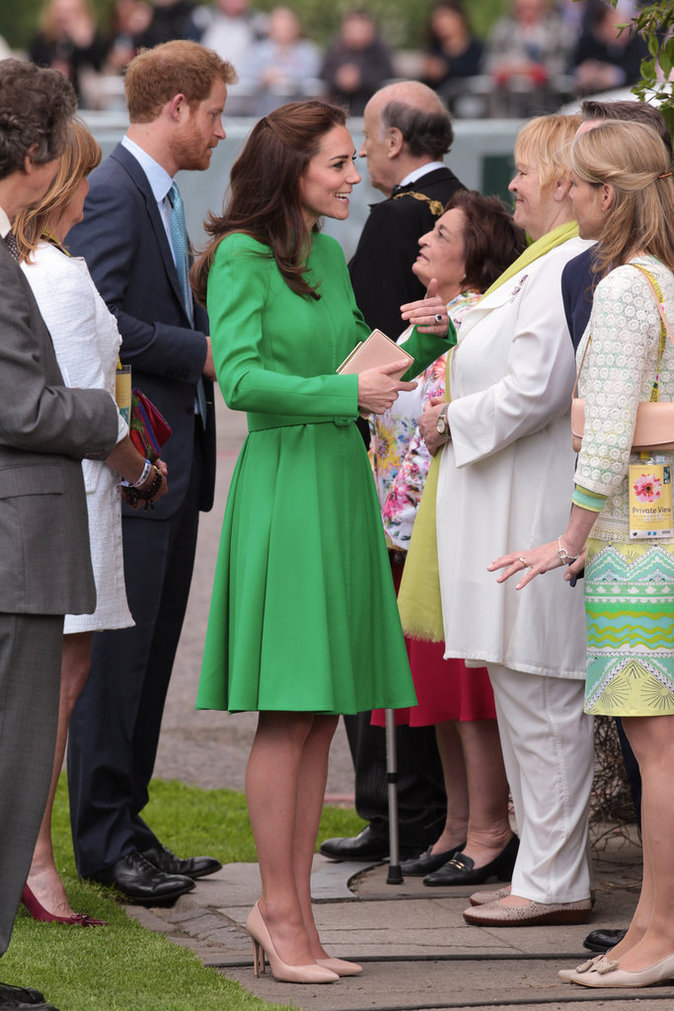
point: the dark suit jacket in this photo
(381, 267)
(578, 284)
(45, 431)
(123, 240)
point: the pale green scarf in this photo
(419, 594)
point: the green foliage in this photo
(124, 965)
(656, 23)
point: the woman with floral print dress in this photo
(471, 244)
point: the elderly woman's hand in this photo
(429, 314)
(378, 389)
(428, 425)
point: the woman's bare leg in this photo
(488, 825)
(273, 775)
(310, 795)
(456, 787)
(43, 878)
(650, 936)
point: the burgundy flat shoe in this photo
(42, 915)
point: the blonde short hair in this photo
(633, 160)
(544, 143)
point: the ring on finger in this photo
(521, 558)
(438, 318)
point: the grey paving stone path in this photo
(418, 953)
(416, 949)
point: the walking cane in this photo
(395, 875)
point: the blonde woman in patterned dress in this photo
(624, 195)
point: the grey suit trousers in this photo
(30, 677)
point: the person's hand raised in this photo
(424, 313)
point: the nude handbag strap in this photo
(665, 331)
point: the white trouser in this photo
(548, 752)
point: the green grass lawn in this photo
(123, 966)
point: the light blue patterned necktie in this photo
(180, 248)
(182, 262)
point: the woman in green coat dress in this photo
(303, 623)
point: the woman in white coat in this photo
(86, 342)
(504, 480)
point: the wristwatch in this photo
(442, 424)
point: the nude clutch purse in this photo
(378, 349)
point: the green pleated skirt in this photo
(303, 614)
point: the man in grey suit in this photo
(45, 431)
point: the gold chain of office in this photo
(436, 207)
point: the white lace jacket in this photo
(619, 370)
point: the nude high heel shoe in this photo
(281, 971)
(340, 966)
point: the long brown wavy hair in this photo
(264, 197)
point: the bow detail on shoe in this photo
(586, 966)
(605, 966)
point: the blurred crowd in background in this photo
(536, 56)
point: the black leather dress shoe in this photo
(192, 867)
(460, 870)
(23, 993)
(367, 845)
(603, 939)
(142, 883)
(418, 867)
(17, 997)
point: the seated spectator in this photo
(171, 19)
(527, 49)
(282, 66)
(357, 63)
(606, 57)
(68, 40)
(573, 14)
(230, 28)
(130, 19)
(453, 51)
